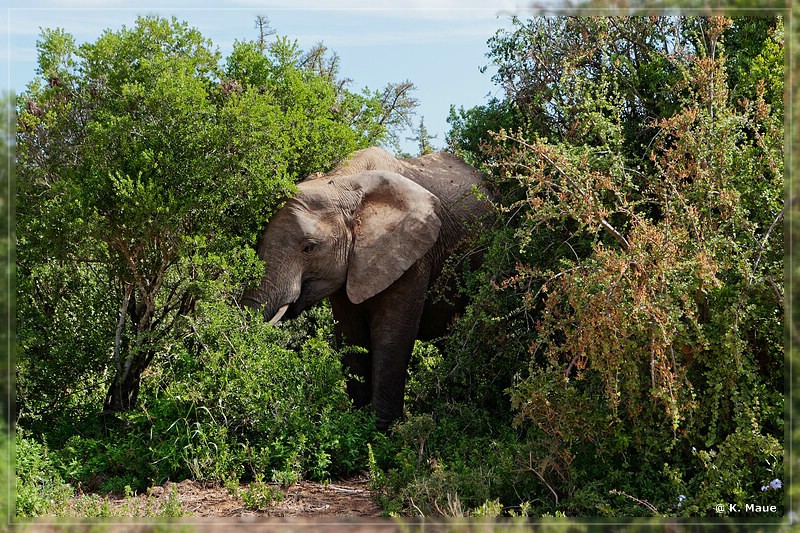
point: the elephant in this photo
(373, 236)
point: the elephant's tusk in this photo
(279, 314)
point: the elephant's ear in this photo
(396, 224)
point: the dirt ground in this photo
(344, 505)
(350, 498)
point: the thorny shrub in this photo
(674, 312)
(634, 310)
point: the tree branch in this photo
(764, 243)
(623, 242)
(123, 312)
(645, 503)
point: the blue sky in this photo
(439, 45)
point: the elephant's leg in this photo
(394, 327)
(352, 329)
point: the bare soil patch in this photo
(347, 498)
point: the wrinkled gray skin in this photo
(372, 235)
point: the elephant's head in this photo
(360, 231)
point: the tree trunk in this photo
(124, 391)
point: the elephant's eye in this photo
(309, 247)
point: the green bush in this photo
(278, 392)
(237, 399)
(40, 489)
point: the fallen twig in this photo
(347, 490)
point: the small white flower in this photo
(776, 484)
(764, 488)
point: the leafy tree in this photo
(471, 130)
(146, 170)
(539, 62)
(123, 158)
(754, 47)
(393, 109)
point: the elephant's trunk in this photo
(249, 300)
(252, 298)
(271, 302)
(258, 301)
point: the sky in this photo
(439, 45)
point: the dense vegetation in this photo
(147, 166)
(623, 351)
(634, 321)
